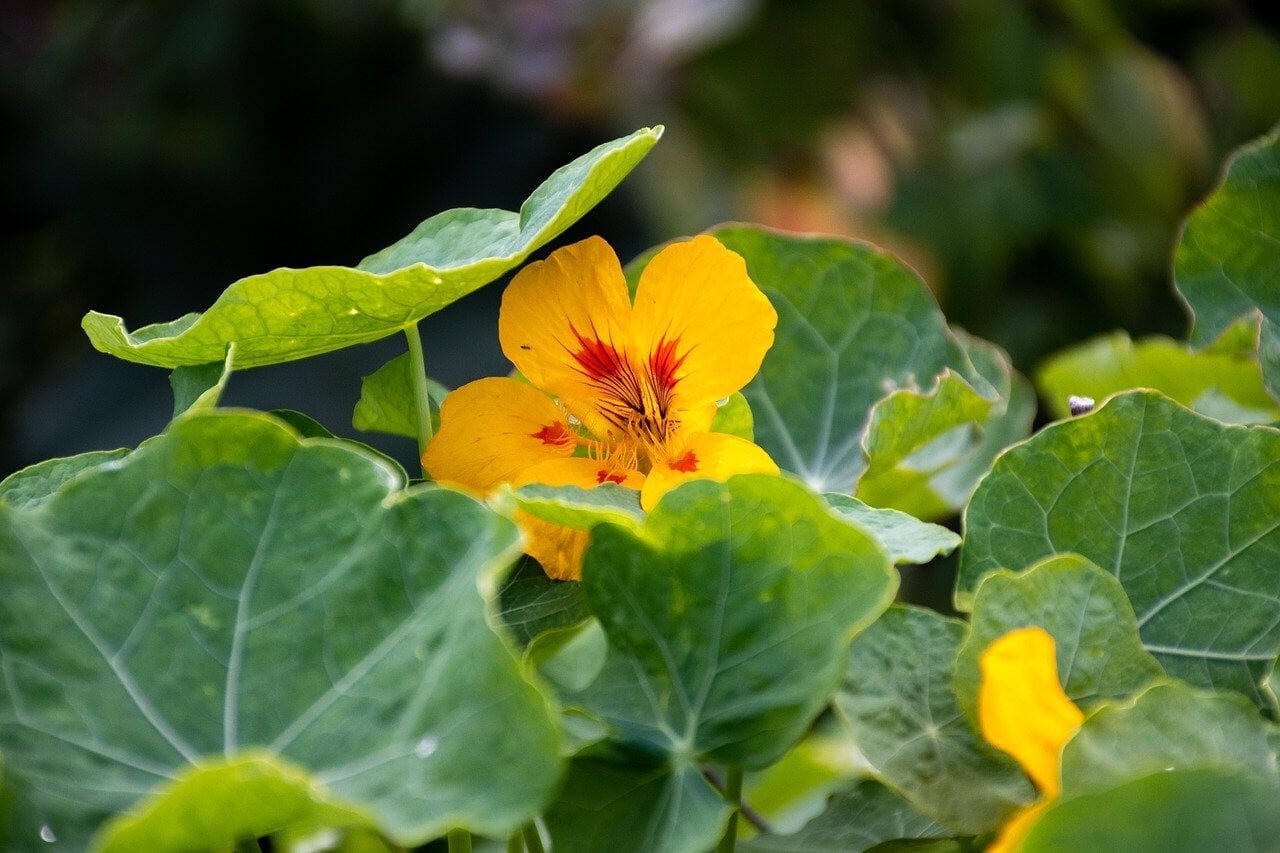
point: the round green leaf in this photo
(728, 616)
(854, 324)
(1084, 609)
(289, 314)
(897, 698)
(230, 587)
(1226, 386)
(1182, 509)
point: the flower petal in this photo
(1013, 830)
(711, 455)
(559, 549)
(700, 324)
(1022, 707)
(565, 321)
(491, 430)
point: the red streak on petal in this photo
(688, 463)
(596, 358)
(554, 433)
(603, 474)
(663, 364)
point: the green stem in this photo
(515, 844)
(418, 375)
(459, 841)
(732, 793)
(248, 845)
(532, 840)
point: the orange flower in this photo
(1024, 711)
(633, 387)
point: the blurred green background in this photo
(1032, 160)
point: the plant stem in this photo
(418, 376)
(515, 844)
(248, 845)
(732, 793)
(459, 841)
(532, 840)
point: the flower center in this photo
(635, 401)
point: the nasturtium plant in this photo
(643, 597)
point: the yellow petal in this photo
(1015, 829)
(565, 321)
(559, 549)
(491, 430)
(711, 455)
(700, 324)
(1022, 708)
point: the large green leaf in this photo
(1098, 650)
(866, 814)
(897, 699)
(728, 617)
(228, 588)
(1226, 386)
(854, 324)
(289, 314)
(1228, 258)
(1183, 509)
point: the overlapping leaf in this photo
(854, 325)
(1227, 261)
(1182, 509)
(904, 717)
(289, 314)
(228, 588)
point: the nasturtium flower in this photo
(618, 390)
(1023, 710)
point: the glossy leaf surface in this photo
(288, 314)
(151, 601)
